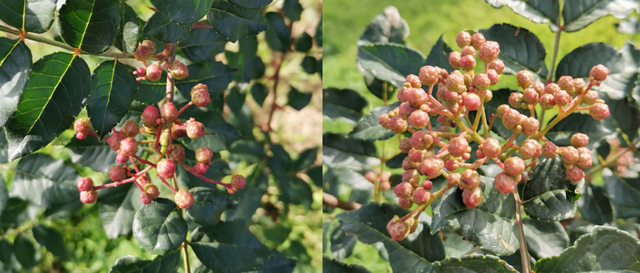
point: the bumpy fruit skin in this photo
(413, 81)
(183, 199)
(200, 95)
(504, 183)
(432, 167)
(141, 71)
(145, 50)
(599, 111)
(512, 118)
(547, 101)
(150, 115)
(454, 59)
(477, 39)
(128, 146)
(467, 63)
(585, 160)
(169, 112)
(497, 65)
(489, 51)
(82, 125)
(177, 152)
(530, 96)
(115, 139)
(88, 197)
(151, 190)
(117, 173)
(516, 99)
(130, 128)
(472, 102)
(411, 176)
(200, 168)
(238, 181)
(458, 146)
(154, 72)
(166, 168)
(514, 166)
(574, 173)
(179, 70)
(530, 149)
(470, 179)
(417, 97)
(580, 85)
(579, 140)
(566, 83)
(405, 145)
(453, 179)
(502, 109)
(599, 72)
(84, 184)
(421, 196)
(418, 119)
(472, 198)
(405, 203)
(530, 126)
(570, 154)
(398, 230)
(481, 81)
(561, 98)
(549, 149)
(468, 50)
(398, 125)
(122, 158)
(524, 79)
(494, 76)
(195, 129)
(427, 185)
(463, 39)
(145, 198)
(539, 87)
(421, 140)
(590, 97)
(143, 180)
(429, 75)
(491, 148)
(384, 120)
(204, 154)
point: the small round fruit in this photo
(128, 146)
(200, 95)
(195, 129)
(88, 197)
(204, 154)
(579, 140)
(420, 196)
(514, 166)
(168, 111)
(154, 72)
(117, 173)
(84, 184)
(183, 199)
(504, 183)
(472, 197)
(130, 128)
(238, 181)
(166, 168)
(470, 179)
(150, 115)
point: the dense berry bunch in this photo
(381, 178)
(445, 150)
(161, 127)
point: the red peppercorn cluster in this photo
(382, 177)
(450, 96)
(153, 72)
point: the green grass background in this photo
(345, 21)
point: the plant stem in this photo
(524, 253)
(170, 81)
(611, 160)
(44, 40)
(555, 50)
(276, 76)
(187, 267)
(332, 201)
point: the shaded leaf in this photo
(579, 14)
(471, 263)
(305, 159)
(92, 153)
(208, 205)
(259, 92)
(342, 245)
(309, 64)
(594, 205)
(160, 264)
(303, 43)
(334, 266)
(252, 4)
(292, 9)
(183, 12)
(24, 250)
(439, 55)
(128, 29)
(159, 226)
(202, 45)
(117, 207)
(297, 99)
(387, 27)
(278, 35)
(161, 26)
(234, 22)
(369, 129)
(250, 196)
(561, 133)
(215, 75)
(388, 62)
(51, 239)
(545, 239)
(31, 15)
(342, 103)
(15, 64)
(538, 11)
(4, 195)
(91, 25)
(623, 193)
(247, 150)
(113, 88)
(343, 152)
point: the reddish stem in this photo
(168, 185)
(189, 169)
(115, 184)
(184, 108)
(144, 161)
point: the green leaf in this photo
(202, 45)
(5, 251)
(305, 159)
(309, 65)
(292, 9)
(160, 264)
(52, 98)
(303, 43)
(278, 35)
(215, 75)
(545, 239)
(336, 176)
(184, 12)
(4, 147)
(342, 103)
(594, 205)
(51, 239)
(252, 4)
(117, 207)
(24, 250)
(389, 62)
(490, 226)
(343, 152)
(12, 215)
(259, 92)
(561, 133)
(369, 129)
(538, 11)
(605, 249)
(439, 55)
(342, 245)
(4, 195)
(454, 246)
(91, 25)
(234, 22)
(112, 90)
(245, 61)
(620, 111)
(369, 224)
(334, 266)
(228, 247)
(128, 29)
(208, 205)
(150, 93)
(386, 27)
(250, 196)
(92, 153)
(549, 194)
(45, 181)
(235, 98)
(301, 192)
(623, 192)
(246, 150)
(31, 15)
(278, 164)
(161, 26)
(578, 14)
(15, 64)
(474, 263)
(297, 99)
(520, 49)
(159, 226)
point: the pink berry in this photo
(405, 203)
(168, 111)
(458, 146)
(453, 179)
(122, 158)
(130, 128)
(467, 63)
(524, 79)
(413, 81)
(463, 39)
(141, 71)
(177, 152)
(151, 190)
(88, 197)
(468, 50)
(166, 168)
(432, 167)
(530, 96)
(481, 81)
(418, 97)
(580, 85)
(516, 99)
(570, 154)
(200, 168)
(429, 75)
(405, 144)
(403, 190)
(502, 109)
(477, 39)
(472, 197)
(451, 165)
(574, 173)
(454, 79)
(183, 199)
(421, 196)
(514, 166)
(539, 87)
(397, 125)
(599, 111)
(454, 59)
(547, 101)
(497, 65)
(117, 173)
(143, 180)
(405, 109)
(179, 71)
(385, 185)
(549, 149)
(371, 177)
(154, 72)
(551, 88)
(84, 184)
(504, 183)
(418, 119)
(579, 140)
(491, 147)
(81, 135)
(416, 155)
(489, 51)
(195, 129)
(494, 77)
(150, 115)
(128, 146)
(82, 125)
(204, 154)
(411, 176)
(145, 198)
(384, 119)
(566, 83)
(397, 230)
(530, 126)
(512, 118)
(238, 181)
(427, 185)
(585, 160)
(145, 50)
(561, 98)
(599, 72)
(200, 95)
(469, 179)
(529, 149)
(590, 98)
(421, 140)
(472, 102)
